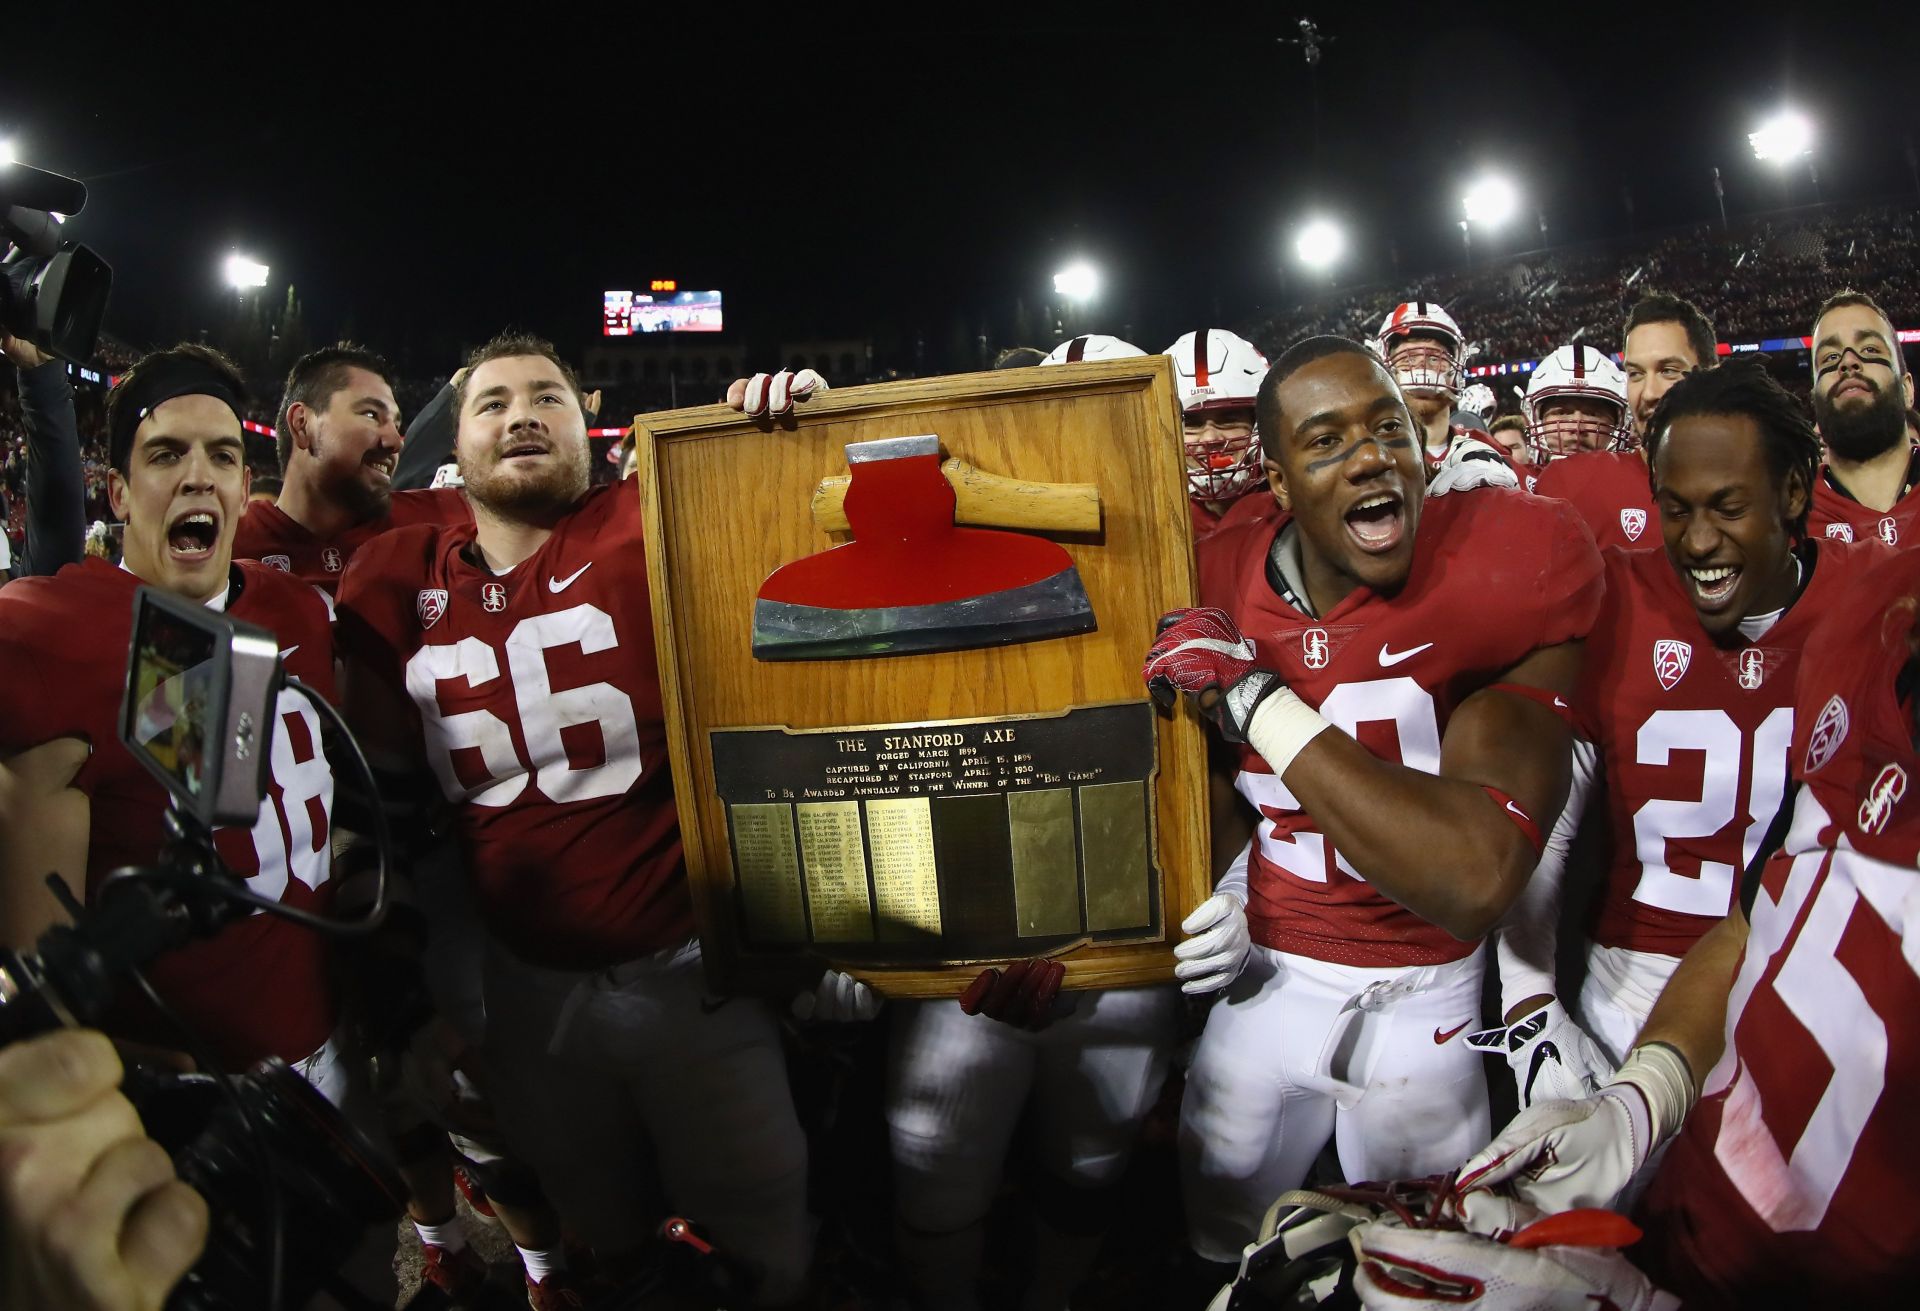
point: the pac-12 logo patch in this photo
(1753, 667)
(430, 604)
(1840, 531)
(1829, 731)
(330, 559)
(1889, 531)
(1314, 648)
(284, 563)
(1633, 522)
(493, 598)
(1889, 785)
(1670, 660)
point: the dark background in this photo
(890, 173)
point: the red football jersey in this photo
(1609, 490)
(1836, 514)
(259, 987)
(1247, 508)
(1792, 1182)
(539, 706)
(1692, 739)
(268, 534)
(1496, 576)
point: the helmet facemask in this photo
(1422, 362)
(1572, 432)
(1223, 454)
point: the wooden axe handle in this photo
(986, 500)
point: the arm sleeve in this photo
(56, 508)
(1528, 939)
(429, 442)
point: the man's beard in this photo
(349, 489)
(1861, 432)
(529, 500)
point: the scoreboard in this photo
(663, 307)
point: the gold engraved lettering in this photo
(905, 880)
(836, 871)
(767, 871)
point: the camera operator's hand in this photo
(93, 1216)
(22, 352)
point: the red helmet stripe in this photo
(1075, 349)
(1200, 357)
(1579, 363)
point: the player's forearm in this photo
(1691, 1015)
(1438, 846)
(1528, 940)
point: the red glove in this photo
(1023, 994)
(1202, 651)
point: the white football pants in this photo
(957, 1084)
(1299, 1049)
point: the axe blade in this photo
(1056, 606)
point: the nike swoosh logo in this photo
(1243, 649)
(1521, 813)
(1390, 658)
(1558, 704)
(1442, 1039)
(1545, 1052)
(562, 584)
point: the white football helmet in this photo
(1440, 369)
(1215, 370)
(1478, 399)
(1093, 346)
(1577, 373)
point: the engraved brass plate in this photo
(945, 842)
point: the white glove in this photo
(837, 999)
(1213, 956)
(1560, 1155)
(773, 393)
(1552, 1058)
(1404, 1269)
(1470, 463)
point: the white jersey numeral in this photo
(291, 832)
(1790, 1184)
(1713, 733)
(544, 713)
(1398, 701)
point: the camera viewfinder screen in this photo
(175, 689)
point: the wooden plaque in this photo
(804, 859)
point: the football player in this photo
(1509, 433)
(1683, 718)
(1791, 1182)
(77, 803)
(1664, 339)
(515, 658)
(1396, 766)
(1218, 375)
(1584, 448)
(961, 1074)
(339, 438)
(1861, 393)
(1426, 352)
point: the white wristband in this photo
(1281, 727)
(1662, 1076)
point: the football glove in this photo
(838, 998)
(1470, 463)
(1560, 1155)
(1217, 950)
(1201, 651)
(1552, 1058)
(1404, 1268)
(1025, 994)
(773, 393)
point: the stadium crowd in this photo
(1562, 856)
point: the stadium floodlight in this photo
(6, 152)
(1786, 136)
(1491, 201)
(242, 273)
(1079, 281)
(1320, 244)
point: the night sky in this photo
(882, 173)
